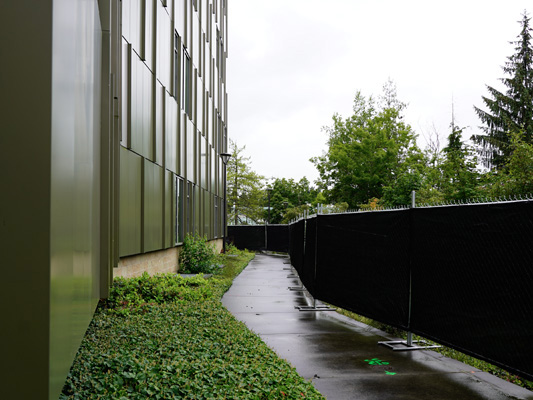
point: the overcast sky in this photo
(294, 63)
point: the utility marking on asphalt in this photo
(376, 362)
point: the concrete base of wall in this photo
(156, 262)
(218, 245)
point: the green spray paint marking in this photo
(377, 361)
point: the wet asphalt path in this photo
(341, 356)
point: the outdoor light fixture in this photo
(269, 191)
(225, 158)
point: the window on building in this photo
(179, 196)
(216, 227)
(190, 211)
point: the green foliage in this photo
(372, 205)
(140, 294)
(459, 174)
(188, 349)
(234, 251)
(244, 190)
(368, 151)
(515, 178)
(519, 168)
(511, 111)
(289, 197)
(197, 256)
(399, 193)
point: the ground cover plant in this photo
(169, 337)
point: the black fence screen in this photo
(278, 238)
(472, 281)
(363, 264)
(296, 245)
(308, 274)
(467, 272)
(252, 237)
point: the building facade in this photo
(173, 112)
(114, 118)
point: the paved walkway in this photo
(341, 356)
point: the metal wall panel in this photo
(153, 206)
(147, 52)
(203, 161)
(200, 102)
(212, 177)
(196, 39)
(131, 22)
(191, 153)
(160, 97)
(130, 203)
(125, 101)
(163, 45)
(141, 108)
(75, 181)
(179, 17)
(171, 134)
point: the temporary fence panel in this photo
(278, 238)
(296, 245)
(460, 275)
(251, 237)
(363, 264)
(472, 281)
(307, 275)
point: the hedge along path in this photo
(176, 341)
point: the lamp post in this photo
(225, 158)
(269, 191)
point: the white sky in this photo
(294, 63)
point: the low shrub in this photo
(197, 256)
(133, 294)
(234, 251)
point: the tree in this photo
(512, 111)
(244, 189)
(289, 195)
(519, 168)
(516, 176)
(459, 174)
(368, 151)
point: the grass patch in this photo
(169, 337)
(446, 351)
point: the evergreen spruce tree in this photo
(512, 111)
(458, 168)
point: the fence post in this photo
(266, 236)
(409, 333)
